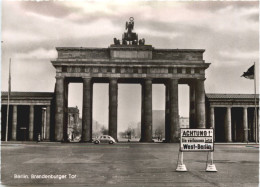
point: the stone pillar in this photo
(235, 130)
(228, 134)
(69, 124)
(65, 117)
(212, 120)
(192, 106)
(146, 129)
(31, 121)
(48, 117)
(142, 113)
(212, 117)
(255, 125)
(43, 123)
(245, 124)
(167, 113)
(59, 110)
(200, 104)
(113, 97)
(87, 110)
(174, 111)
(14, 123)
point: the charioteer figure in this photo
(129, 37)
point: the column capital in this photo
(201, 79)
(113, 79)
(191, 83)
(60, 77)
(148, 79)
(172, 79)
(86, 77)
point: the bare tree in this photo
(104, 130)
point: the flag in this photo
(250, 73)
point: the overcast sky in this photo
(229, 31)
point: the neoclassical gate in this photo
(130, 62)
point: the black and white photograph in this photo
(129, 93)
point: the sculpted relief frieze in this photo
(133, 70)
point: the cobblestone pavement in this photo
(125, 164)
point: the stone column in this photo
(31, 121)
(200, 104)
(113, 97)
(142, 113)
(59, 110)
(228, 134)
(212, 117)
(87, 111)
(66, 110)
(147, 111)
(48, 117)
(212, 120)
(235, 130)
(192, 106)
(43, 123)
(14, 122)
(174, 111)
(255, 126)
(245, 124)
(167, 113)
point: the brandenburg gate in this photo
(130, 61)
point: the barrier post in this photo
(181, 167)
(211, 167)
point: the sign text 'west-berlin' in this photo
(197, 140)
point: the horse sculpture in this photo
(129, 35)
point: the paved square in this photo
(125, 164)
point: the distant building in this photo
(159, 122)
(73, 122)
(184, 122)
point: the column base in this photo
(146, 141)
(82, 141)
(174, 141)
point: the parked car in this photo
(104, 139)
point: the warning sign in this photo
(197, 140)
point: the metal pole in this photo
(8, 100)
(256, 138)
(181, 158)
(211, 157)
(7, 119)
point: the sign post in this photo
(197, 140)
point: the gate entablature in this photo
(130, 62)
(106, 54)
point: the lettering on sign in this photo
(197, 140)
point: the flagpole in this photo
(8, 100)
(255, 116)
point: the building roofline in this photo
(29, 94)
